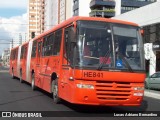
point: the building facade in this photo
(102, 8)
(57, 11)
(81, 7)
(65, 10)
(44, 14)
(110, 8)
(128, 5)
(35, 17)
(51, 13)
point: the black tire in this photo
(13, 77)
(33, 82)
(20, 77)
(56, 98)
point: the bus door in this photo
(38, 63)
(66, 82)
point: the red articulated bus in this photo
(85, 60)
(14, 62)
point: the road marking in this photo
(3, 71)
(152, 94)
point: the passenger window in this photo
(39, 48)
(48, 44)
(25, 52)
(57, 42)
(68, 46)
(34, 48)
(22, 52)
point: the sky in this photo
(13, 21)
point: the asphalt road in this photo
(16, 96)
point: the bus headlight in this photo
(85, 86)
(138, 94)
(138, 88)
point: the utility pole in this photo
(103, 12)
(12, 43)
(25, 37)
(20, 39)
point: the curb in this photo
(3, 71)
(152, 94)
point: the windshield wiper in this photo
(125, 61)
(105, 58)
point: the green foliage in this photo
(106, 10)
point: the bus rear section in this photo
(14, 61)
(102, 64)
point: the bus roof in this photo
(76, 18)
(15, 47)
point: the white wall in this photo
(69, 9)
(84, 7)
(51, 13)
(118, 7)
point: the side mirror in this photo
(142, 32)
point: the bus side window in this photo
(34, 47)
(57, 42)
(22, 52)
(44, 47)
(52, 39)
(39, 48)
(48, 45)
(68, 45)
(25, 52)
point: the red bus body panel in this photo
(115, 88)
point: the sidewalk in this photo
(152, 93)
(4, 71)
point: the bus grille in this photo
(113, 90)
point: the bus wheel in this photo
(13, 77)
(33, 82)
(55, 91)
(20, 77)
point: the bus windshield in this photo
(109, 46)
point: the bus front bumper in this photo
(108, 93)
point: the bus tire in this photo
(33, 82)
(20, 77)
(13, 77)
(56, 98)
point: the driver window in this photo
(68, 46)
